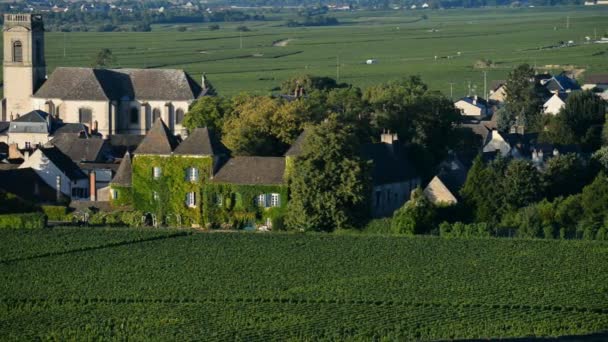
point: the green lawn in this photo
(401, 42)
(248, 286)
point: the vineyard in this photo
(84, 284)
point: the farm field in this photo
(85, 284)
(402, 42)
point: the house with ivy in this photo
(197, 183)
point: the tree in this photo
(104, 59)
(261, 125)
(579, 122)
(416, 216)
(330, 183)
(594, 199)
(208, 111)
(522, 184)
(307, 83)
(564, 175)
(483, 191)
(522, 104)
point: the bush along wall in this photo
(56, 212)
(23, 221)
(235, 206)
(165, 197)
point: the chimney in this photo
(26, 155)
(58, 188)
(203, 82)
(555, 152)
(93, 185)
(13, 152)
(389, 138)
(475, 100)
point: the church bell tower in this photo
(24, 63)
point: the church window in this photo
(179, 116)
(155, 114)
(85, 116)
(134, 115)
(17, 51)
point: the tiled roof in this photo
(63, 162)
(597, 79)
(68, 128)
(297, 146)
(158, 140)
(114, 84)
(123, 175)
(390, 163)
(252, 170)
(201, 141)
(79, 149)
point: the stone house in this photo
(597, 83)
(556, 103)
(37, 128)
(473, 106)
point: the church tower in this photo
(24, 63)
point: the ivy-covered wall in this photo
(238, 208)
(124, 196)
(172, 187)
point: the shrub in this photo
(55, 212)
(23, 221)
(214, 27)
(243, 29)
(182, 29)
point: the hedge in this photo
(55, 212)
(23, 221)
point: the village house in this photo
(443, 189)
(106, 101)
(597, 83)
(560, 84)
(498, 91)
(554, 104)
(473, 106)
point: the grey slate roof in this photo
(201, 141)
(26, 184)
(158, 140)
(297, 146)
(252, 171)
(63, 162)
(4, 125)
(79, 149)
(562, 83)
(123, 175)
(68, 128)
(389, 163)
(597, 79)
(114, 84)
(122, 143)
(33, 116)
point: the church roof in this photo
(158, 140)
(123, 175)
(201, 141)
(116, 84)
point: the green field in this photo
(85, 284)
(402, 43)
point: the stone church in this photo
(106, 101)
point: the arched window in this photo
(85, 116)
(155, 114)
(179, 116)
(134, 117)
(17, 51)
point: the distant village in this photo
(114, 139)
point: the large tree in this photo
(579, 122)
(208, 111)
(523, 103)
(416, 216)
(329, 182)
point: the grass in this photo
(249, 286)
(401, 42)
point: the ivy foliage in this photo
(234, 206)
(171, 187)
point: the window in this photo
(28, 145)
(134, 117)
(192, 174)
(17, 51)
(179, 116)
(191, 199)
(155, 114)
(275, 200)
(219, 200)
(85, 116)
(261, 201)
(155, 195)
(114, 194)
(157, 172)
